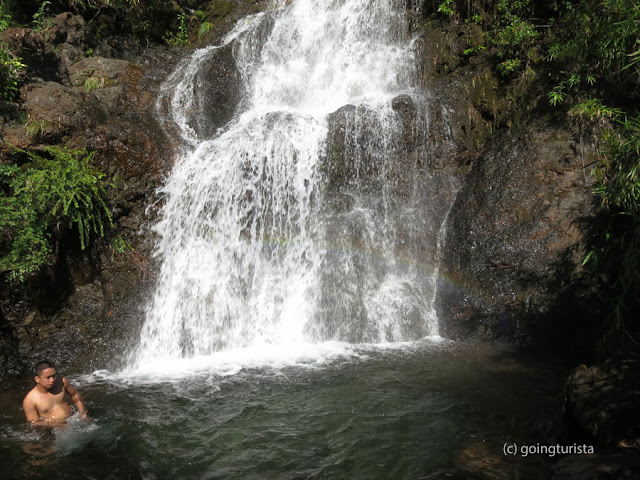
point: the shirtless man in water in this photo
(45, 404)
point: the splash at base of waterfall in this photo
(265, 357)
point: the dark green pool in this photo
(421, 410)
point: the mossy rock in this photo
(219, 8)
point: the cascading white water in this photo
(249, 253)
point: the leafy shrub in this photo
(181, 37)
(43, 197)
(10, 65)
(40, 18)
(5, 19)
(617, 259)
(10, 69)
(597, 39)
(445, 8)
(513, 37)
(205, 27)
(593, 53)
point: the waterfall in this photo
(255, 244)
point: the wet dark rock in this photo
(408, 115)
(602, 465)
(348, 157)
(9, 112)
(107, 72)
(43, 63)
(55, 110)
(480, 461)
(601, 410)
(601, 402)
(408, 181)
(516, 238)
(68, 28)
(129, 146)
(217, 93)
(70, 35)
(9, 351)
(356, 152)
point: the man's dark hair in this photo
(43, 365)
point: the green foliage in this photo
(181, 37)
(40, 198)
(10, 69)
(556, 95)
(445, 8)
(121, 246)
(514, 37)
(5, 19)
(40, 17)
(597, 38)
(593, 110)
(205, 27)
(619, 187)
(617, 257)
(509, 67)
(471, 51)
(10, 65)
(91, 83)
(36, 127)
(574, 84)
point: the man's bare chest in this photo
(48, 402)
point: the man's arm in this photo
(76, 397)
(30, 410)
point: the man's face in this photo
(47, 378)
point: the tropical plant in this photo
(5, 19)
(617, 256)
(40, 17)
(514, 36)
(10, 69)
(596, 44)
(445, 8)
(43, 197)
(205, 27)
(181, 37)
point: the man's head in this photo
(45, 374)
(44, 364)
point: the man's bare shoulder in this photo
(31, 396)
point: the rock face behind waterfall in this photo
(521, 225)
(516, 239)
